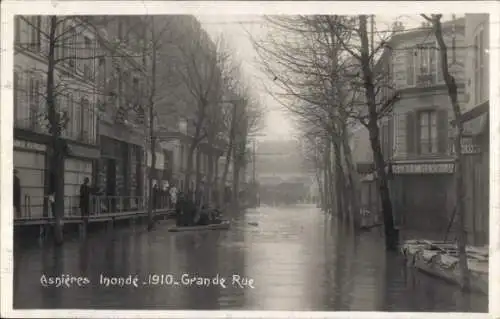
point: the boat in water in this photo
(440, 259)
(223, 225)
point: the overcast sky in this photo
(235, 29)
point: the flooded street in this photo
(289, 258)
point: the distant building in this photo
(177, 109)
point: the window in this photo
(479, 67)
(182, 152)
(17, 29)
(35, 24)
(33, 98)
(70, 52)
(74, 116)
(426, 69)
(135, 83)
(85, 119)
(410, 68)
(87, 67)
(423, 65)
(439, 71)
(428, 139)
(87, 71)
(62, 106)
(16, 88)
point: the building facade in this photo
(475, 118)
(421, 155)
(122, 132)
(75, 97)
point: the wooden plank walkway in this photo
(19, 222)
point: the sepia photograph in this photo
(211, 160)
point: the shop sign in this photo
(468, 147)
(421, 168)
(30, 145)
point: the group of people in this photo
(165, 196)
(162, 198)
(189, 211)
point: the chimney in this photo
(398, 26)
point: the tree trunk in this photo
(391, 233)
(229, 151)
(236, 176)
(210, 175)
(459, 171)
(339, 183)
(198, 178)
(224, 173)
(151, 177)
(354, 196)
(189, 170)
(152, 137)
(332, 184)
(320, 188)
(57, 144)
(326, 182)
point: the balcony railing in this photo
(32, 121)
(32, 207)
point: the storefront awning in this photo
(83, 151)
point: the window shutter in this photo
(410, 133)
(390, 138)
(16, 90)
(442, 128)
(17, 29)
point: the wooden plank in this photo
(92, 218)
(221, 226)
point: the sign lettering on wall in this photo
(428, 168)
(30, 145)
(468, 147)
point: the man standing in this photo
(85, 197)
(173, 195)
(17, 194)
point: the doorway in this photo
(111, 185)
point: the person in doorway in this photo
(155, 195)
(85, 197)
(173, 195)
(179, 210)
(17, 194)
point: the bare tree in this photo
(451, 85)
(58, 39)
(328, 64)
(199, 67)
(365, 54)
(55, 39)
(157, 38)
(309, 75)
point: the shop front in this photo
(78, 165)
(422, 194)
(30, 161)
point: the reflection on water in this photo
(297, 259)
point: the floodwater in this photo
(272, 258)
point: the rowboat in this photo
(222, 226)
(440, 259)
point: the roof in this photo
(409, 34)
